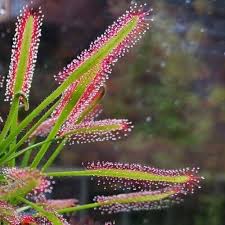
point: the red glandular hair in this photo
(44, 129)
(142, 25)
(152, 178)
(99, 73)
(16, 51)
(97, 131)
(20, 178)
(144, 200)
(8, 214)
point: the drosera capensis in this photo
(70, 115)
(135, 176)
(144, 200)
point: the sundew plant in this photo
(68, 116)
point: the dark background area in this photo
(172, 86)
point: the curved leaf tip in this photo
(24, 52)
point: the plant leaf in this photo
(24, 52)
(103, 53)
(91, 131)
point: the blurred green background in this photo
(172, 86)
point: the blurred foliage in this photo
(211, 210)
(170, 82)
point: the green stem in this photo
(32, 129)
(79, 208)
(13, 110)
(34, 113)
(62, 118)
(15, 155)
(105, 50)
(45, 147)
(26, 159)
(55, 94)
(26, 156)
(81, 173)
(37, 124)
(49, 215)
(14, 124)
(54, 155)
(123, 174)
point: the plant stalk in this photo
(79, 208)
